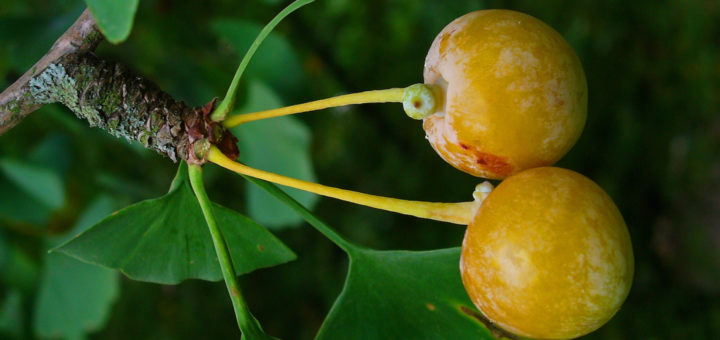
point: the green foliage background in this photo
(652, 141)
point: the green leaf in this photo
(17, 205)
(53, 152)
(18, 270)
(75, 297)
(31, 196)
(28, 38)
(11, 314)
(275, 50)
(280, 145)
(39, 182)
(165, 240)
(114, 17)
(96, 211)
(402, 294)
(3, 251)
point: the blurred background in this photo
(652, 141)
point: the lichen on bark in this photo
(109, 96)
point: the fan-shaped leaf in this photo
(114, 17)
(396, 294)
(166, 240)
(404, 295)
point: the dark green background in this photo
(652, 140)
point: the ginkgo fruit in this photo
(547, 255)
(514, 94)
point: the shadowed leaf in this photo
(275, 50)
(11, 314)
(41, 183)
(75, 297)
(280, 145)
(18, 205)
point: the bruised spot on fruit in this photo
(495, 164)
(496, 331)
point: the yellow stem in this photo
(394, 95)
(458, 213)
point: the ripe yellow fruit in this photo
(515, 95)
(548, 255)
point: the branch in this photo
(111, 97)
(16, 103)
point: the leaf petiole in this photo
(226, 105)
(247, 323)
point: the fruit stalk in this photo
(458, 213)
(418, 100)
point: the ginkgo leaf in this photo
(166, 240)
(396, 294)
(114, 17)
(404, 295)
